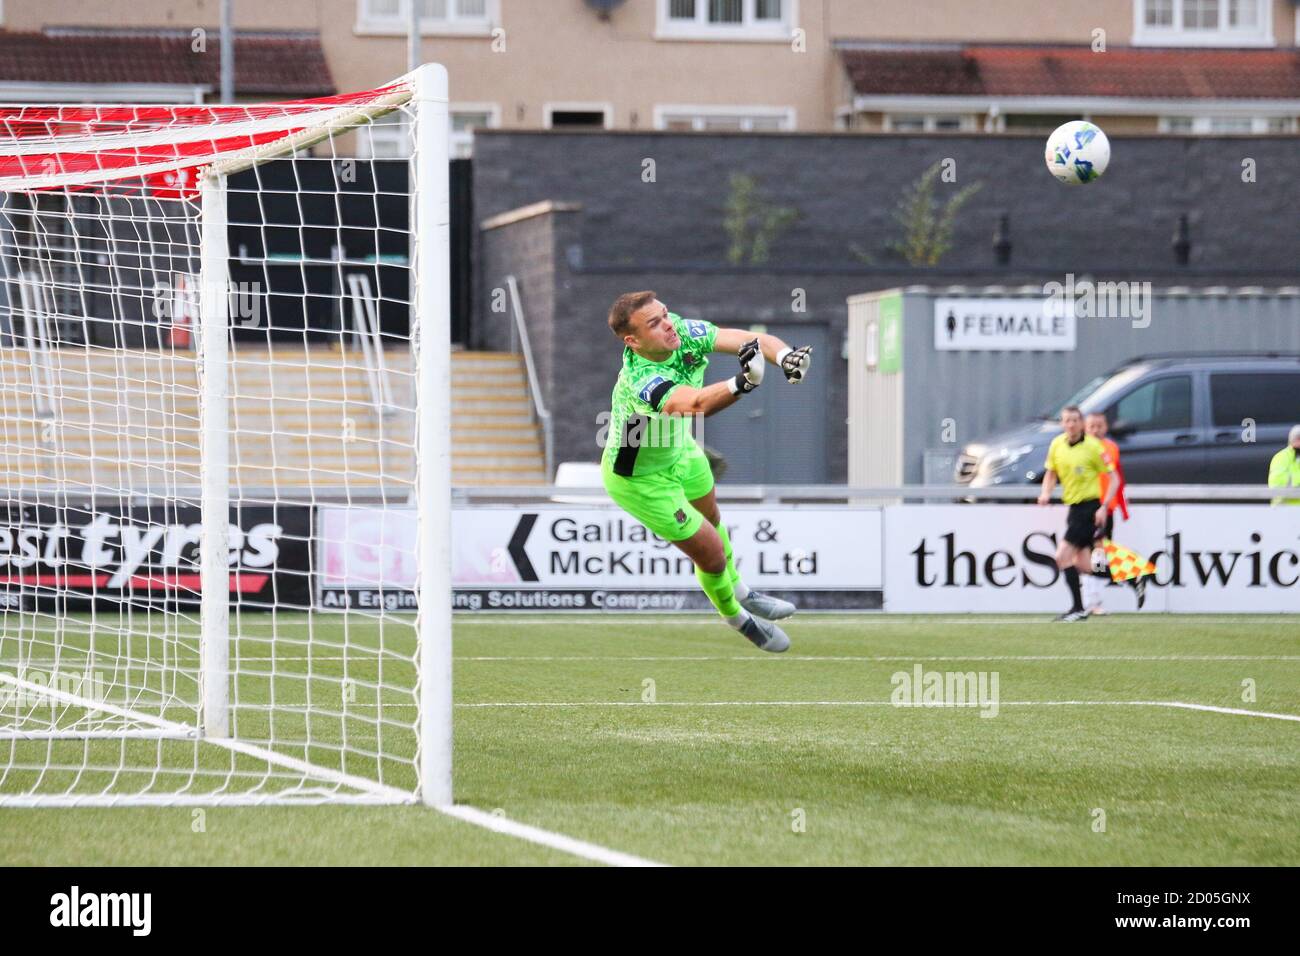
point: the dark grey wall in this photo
(577, 357)
(981, 393)
(846, 188)
(524, 249)
(667, 235)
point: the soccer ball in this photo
(1077, 153)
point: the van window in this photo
(1164, 403)
(1100, 392)
(1267, 398)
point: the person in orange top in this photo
(1094, 585)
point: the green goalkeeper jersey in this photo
(640, 440)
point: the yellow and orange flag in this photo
(1125, 565)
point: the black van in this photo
(1177, 419)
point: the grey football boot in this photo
(766, 606)
(765, 635)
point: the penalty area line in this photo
(1230, 710)
(546, 838)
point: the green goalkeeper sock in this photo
(718, 588)
(737, 585)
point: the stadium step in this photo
(490, 395)
(503, 438)
(493, 420)
(484, 455)
(490, 402)
(479, 479)
(130, 418)
(495, 438)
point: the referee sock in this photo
(1076, 590)
(1091, 590)
(738, 586)
(718, 588)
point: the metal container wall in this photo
(938, 400)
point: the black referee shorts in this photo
(1081, 523)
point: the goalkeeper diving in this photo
(652, 467)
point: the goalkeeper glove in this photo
(795, 363)
(751, 369)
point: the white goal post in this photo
(191, 441)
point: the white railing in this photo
(772, 494)
(751, 494)
(543, 417)
(36, 330)
(365, 327)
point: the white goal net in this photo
(224, 377)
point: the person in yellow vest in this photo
(1077, 461)
(1284, 469)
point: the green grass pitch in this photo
(747, 758)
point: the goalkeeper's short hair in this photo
(624, 307)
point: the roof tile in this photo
(1075, 71)
(287, 64)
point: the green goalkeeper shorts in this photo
(662, 501)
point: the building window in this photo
(1243, 14)
(1201, 14)
(467, 118)
(472, 17)
(389, 137)
(1227, 125)
(577, 119)
(385, 138)
(1034, 122)
(1232, 124)
(725, 19)
(577, 115)
(715, 119)
(928, 123)
(1159, 13)
(1203, 22)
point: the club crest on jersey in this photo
(650, 386)
(696, 329)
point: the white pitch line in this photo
(1232, 710)
(66, 697)
(801, 703)
(839, 619)
(547, 838)
(379, 791)
(848, 621)
(888, 658)
(363, 657)
(886, 703)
